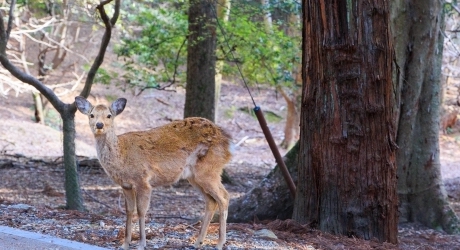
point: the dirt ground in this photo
(32, 191)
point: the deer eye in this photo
(109, 116)
(91, 115)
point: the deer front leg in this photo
(143, 203)
(130, 206)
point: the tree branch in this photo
(15, 71)
(455, 8)
(10, 19)
(36, 27)
(116, 13)
(105, 42)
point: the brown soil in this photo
(32, 192)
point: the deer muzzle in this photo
(99, 125)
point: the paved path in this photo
(15, 239)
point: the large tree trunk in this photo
(200, 97)
(347, 170)
(417, 27)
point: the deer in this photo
(194, 148)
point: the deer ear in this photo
(83, 105)
(118, 106)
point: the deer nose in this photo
(99, 125)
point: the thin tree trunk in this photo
(291, 128)
(72, 185)
(418, 25)
(202, 93)
(267, 15)
(38, 105)
(201, 61)
(347, 170)
(223, 14)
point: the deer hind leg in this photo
(210, 208)
(215, 192)
(143, 202)
(221, 196)
(130, 206)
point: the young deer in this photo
(194, 149)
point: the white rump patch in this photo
(191, 160)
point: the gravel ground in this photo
(32, 190)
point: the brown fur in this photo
(448, 120)
(194, 149)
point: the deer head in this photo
(101, 118)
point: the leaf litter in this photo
(32, 190)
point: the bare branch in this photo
(10, 19)
(102, 3)
(13, 84)
(52, 43)
(38, 28)
(65, 48)
(175, 65)
(74, 85)
(104, 43)
(57, 44)
(173, 80)
(23, 56)
(15, 71)
(455, 8)
(59, 56)
(12, 29)
(3, 36)
(40, 42)
(116, 13)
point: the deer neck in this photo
(107, 148)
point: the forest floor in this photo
(32, 175)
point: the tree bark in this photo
(347, 170)
(74, 198)
(200, 97)
(417, 92)
(417, 27)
